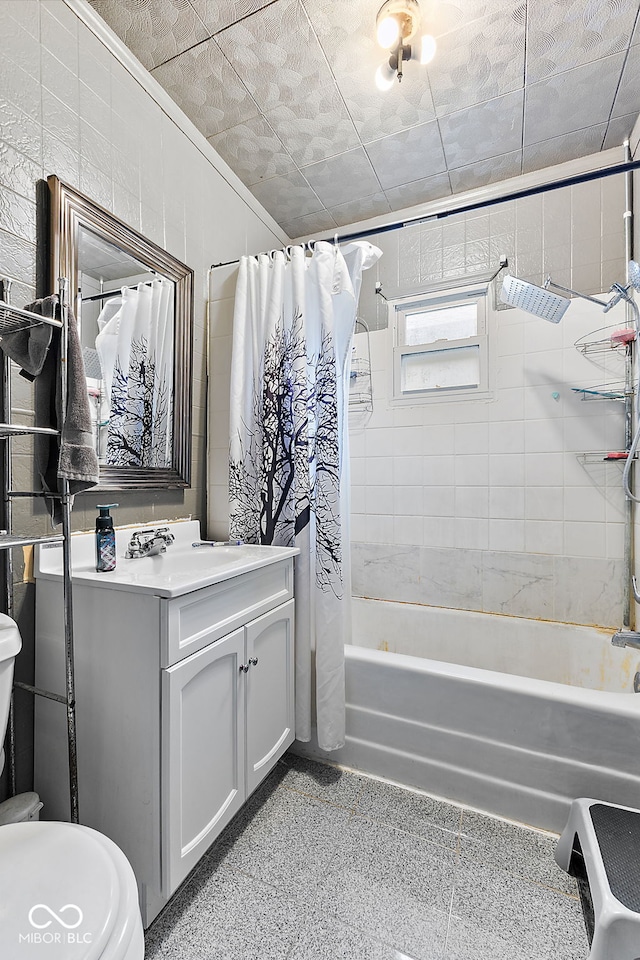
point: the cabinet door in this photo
(203, 760)
(270, 704)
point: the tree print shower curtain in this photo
(288, 469)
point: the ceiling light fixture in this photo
(397, 23)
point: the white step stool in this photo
(600, 847)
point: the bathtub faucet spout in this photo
(626, 638)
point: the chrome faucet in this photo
(149, 543)
(626, 638)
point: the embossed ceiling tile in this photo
(336, 31)
(356, 210)
(376, 114)
(216, 15)
(419, 191)
(571, 100)
(486, 171)
(407, 155)
(618, 129)
(569, 147)
(316, 129)
(277, 55)
(253, 151)
(287, 198)
(480, 61)
(482, 131)
(311, 224)
(349, 176)
(154, 30)
(567, 33)
(628, 95)
(206, 88)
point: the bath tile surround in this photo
(490, 504)
(324, 862)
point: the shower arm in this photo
(619, 293)
(584, 296)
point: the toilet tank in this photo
(10, 643)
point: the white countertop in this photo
(182, 569)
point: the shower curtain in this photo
(135, 346)
(288, 465)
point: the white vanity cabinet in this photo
(184, 703)
(227, 715)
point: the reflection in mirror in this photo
(133, 305)
(125, 316)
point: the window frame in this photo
(426, 302)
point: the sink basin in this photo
(181, 569)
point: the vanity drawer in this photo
(196, 619)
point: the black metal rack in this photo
(13, 319)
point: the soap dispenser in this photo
(105, 539)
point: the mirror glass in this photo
(133, 306)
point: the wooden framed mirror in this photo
(133, 303)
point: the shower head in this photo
(634, 274)
(533, 299)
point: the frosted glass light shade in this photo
(388, 32)
(385, 77)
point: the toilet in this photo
(67, 892)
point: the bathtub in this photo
(512, 716)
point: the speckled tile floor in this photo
(322, 863)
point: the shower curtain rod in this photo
(478, 205)
(108, 294)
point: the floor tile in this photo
(467, 940)
(225, 915)
(435, 820)
(298, 875)
(322, 781)
(531, 921)
(391, 885)
(324, 937)
(289, 840)
(528, 853)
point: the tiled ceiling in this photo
(284, 91)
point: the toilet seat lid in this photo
(10, 639)
(63, 885)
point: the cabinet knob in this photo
(253, 661)
(244, 667)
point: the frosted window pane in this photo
(442, 323)
(440, 369)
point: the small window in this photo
(440, 345)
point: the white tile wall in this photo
(71, 108)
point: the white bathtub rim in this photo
(622, 703)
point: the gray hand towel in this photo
(72, 456)
(29, 347)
